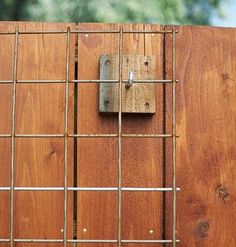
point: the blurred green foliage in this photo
(145, 11)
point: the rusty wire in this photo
(120, 135)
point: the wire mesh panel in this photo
(72, 173)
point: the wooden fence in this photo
(70, 176)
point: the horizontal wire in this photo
(39, 135)
(150, 32)
(26, 240)
(94, 81)
(94, 135)
(89, 31)
(88, 135)
(123, 81)
(61, 32)
(5, 135)
(158, 189)
(149, 241)
(147, 135)
(149, 189)
(91, 241)
(85, 81)
(41, 81)
(6, 81)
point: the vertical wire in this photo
(164, 142)
(13, 136)
(66, 134)
(120, 137)
(174, 137)
(75, 164)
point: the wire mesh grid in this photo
(66, 135)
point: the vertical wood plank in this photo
(6, 68)
(206, 123)
(97, 158)
(39, 110)
(142, 159)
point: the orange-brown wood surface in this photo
(39, 110)
(142, 164)
(206, 120)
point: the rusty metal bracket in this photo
(138, 95)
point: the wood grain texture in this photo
(97, 212)
(39, 110)
(5, 149)
(206, 122)
(142, 163)
(138, 98)
(206, 119)
(6, 68)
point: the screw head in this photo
(151, 231)
(106, 102)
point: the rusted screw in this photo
(106, 102)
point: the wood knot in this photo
(223, 193)
(225, 76)
(202, 230)
(52, 152)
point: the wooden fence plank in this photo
(206, 120)
(39, 110)
(143, 158)
(97, 158)
(142, 165)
